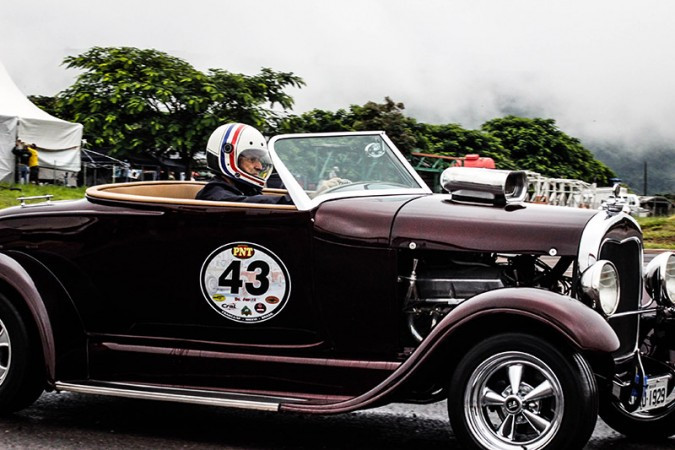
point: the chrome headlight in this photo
(660, 279)
(600, 285)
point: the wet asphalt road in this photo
(76, 421)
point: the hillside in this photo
(628, 163)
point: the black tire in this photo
(647, 426)
(21, 365)
(481, 398)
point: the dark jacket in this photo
(219, 189)
(22, 154)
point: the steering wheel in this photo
(366, 185)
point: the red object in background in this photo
(474, 160)
(470, 160)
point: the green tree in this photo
(45, 103)
(407, 134)
(141, 100)
(388, 117)
(371, 116)
(539, 145)
(316, 121)
(453, 140)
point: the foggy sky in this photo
(601, 69)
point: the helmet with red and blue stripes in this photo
(231, 144)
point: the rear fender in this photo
(57, 323)
(16, 277)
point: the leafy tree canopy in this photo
(135, 100)
(407, 134)
(387, 116)
(44, 102)
(453, 140)
(513, 142)
(539, 145)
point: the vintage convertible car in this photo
(369, 289)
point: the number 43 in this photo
(231, 277)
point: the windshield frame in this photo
(304, 203)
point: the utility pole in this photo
(644, 178)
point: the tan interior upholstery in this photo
(168, 190)
(171, 192)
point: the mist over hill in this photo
(624, 149)
(628, 162)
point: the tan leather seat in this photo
(171, 192)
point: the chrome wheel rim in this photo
(513, 401)
(5, 352)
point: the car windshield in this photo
(349, 164)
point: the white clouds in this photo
(600, 68)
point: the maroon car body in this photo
(342, 300)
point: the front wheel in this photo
(515, 391)
(644, 426)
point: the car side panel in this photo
(356, 277)
(108, 257)
(356, 288)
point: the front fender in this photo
(584, 328)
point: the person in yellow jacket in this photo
(33, 166)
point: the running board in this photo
(171, 394)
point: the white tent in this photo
(58, 141)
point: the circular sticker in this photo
(245, 282)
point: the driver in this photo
(238, 155)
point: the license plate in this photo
(655, 394)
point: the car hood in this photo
(435, 222)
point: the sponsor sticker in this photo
(272, 300)
(245, 282)
(243, 251)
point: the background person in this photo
(238, 155)
(22, 156)
(33, 164)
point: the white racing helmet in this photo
(231, 143)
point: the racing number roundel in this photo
(245, 282)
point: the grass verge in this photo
(659, 232)
(10, 192)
